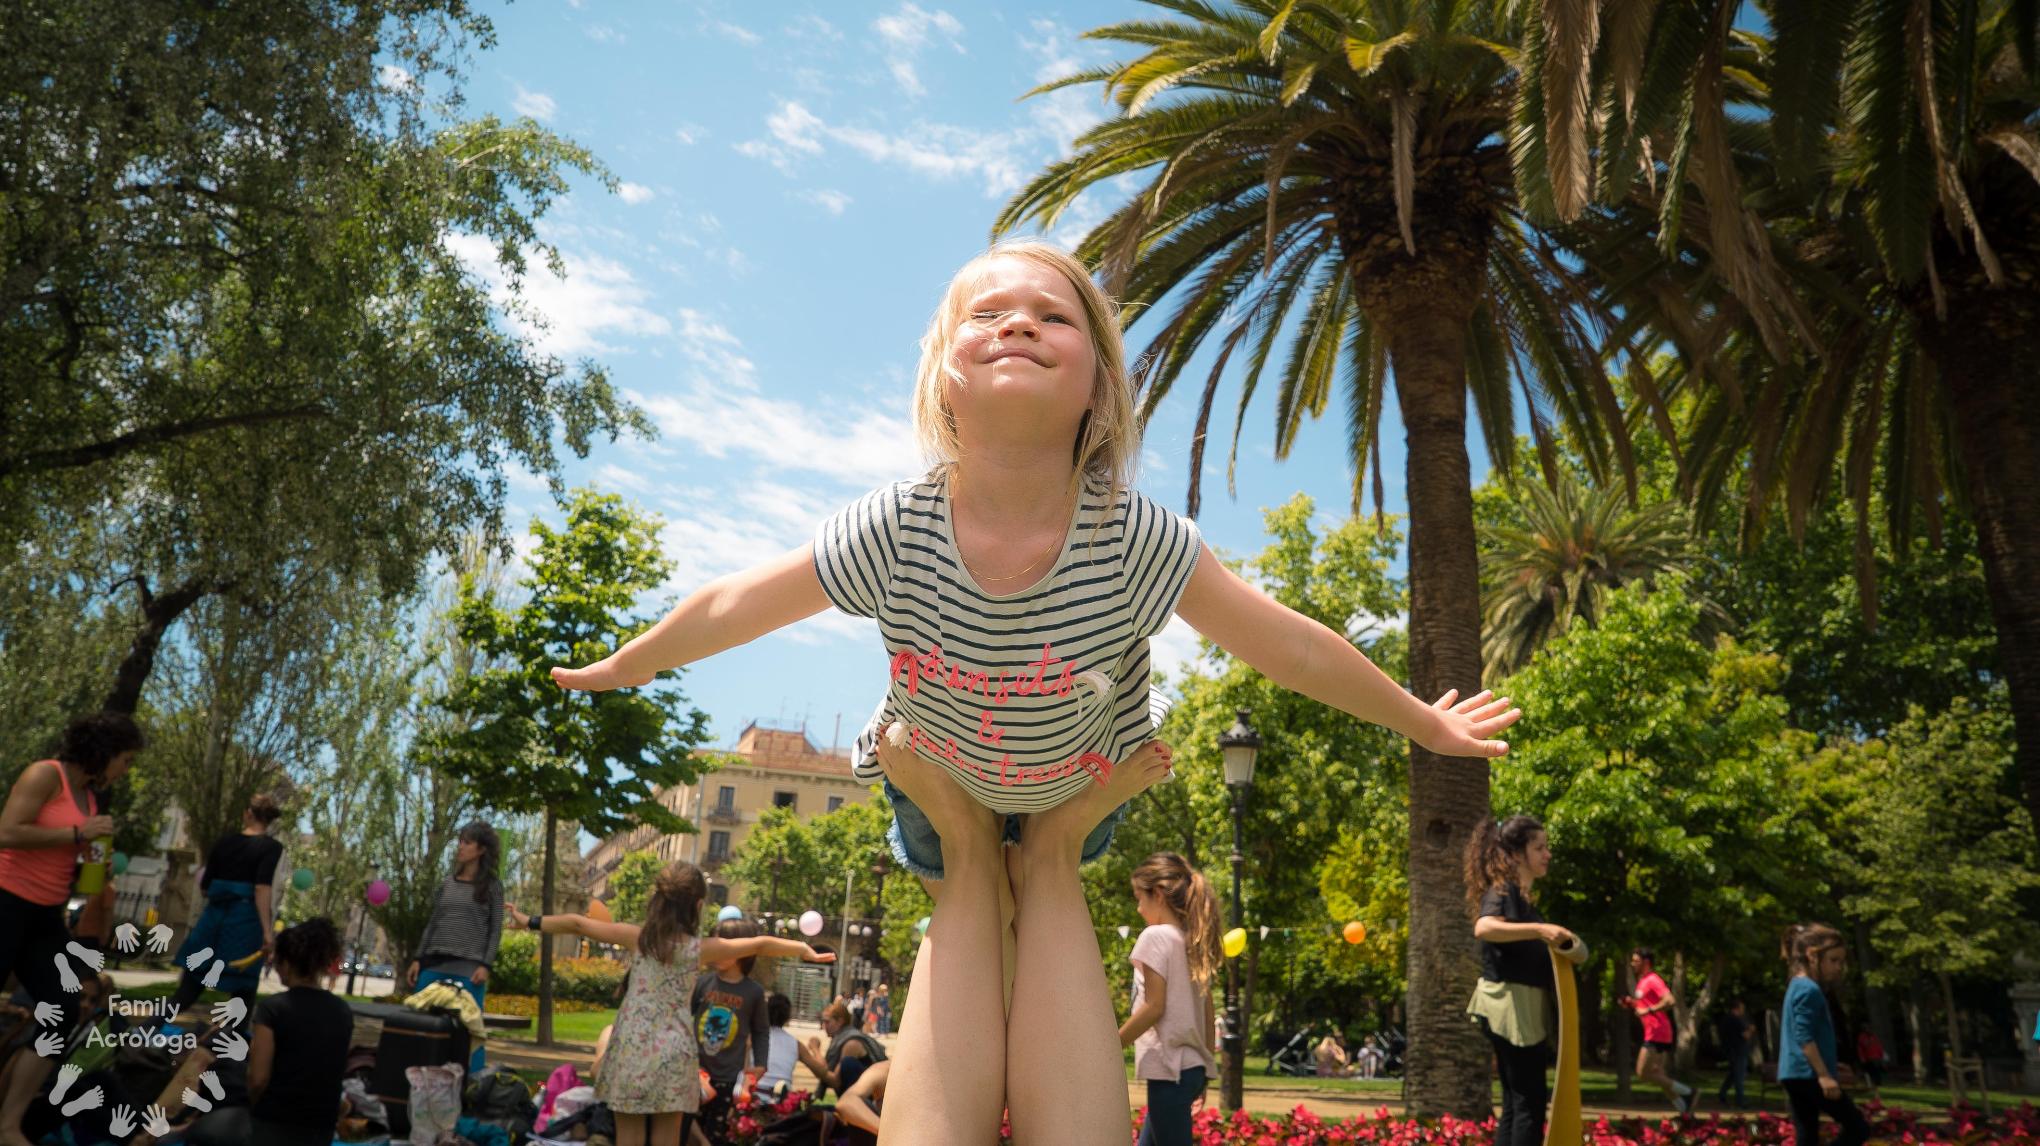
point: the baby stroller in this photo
(1292, 1055)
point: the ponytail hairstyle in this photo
(674, 911)
(1812, 941)
(1188, 894)
(483, 836)
(311, 948)
(1493, 853)
(1788, 938)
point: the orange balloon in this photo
(1356, 932)
(599, 912)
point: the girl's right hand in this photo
(601, 676)
(411, 975)
(96, 826)
(810, 955)
(1557, 936)
(518, 920)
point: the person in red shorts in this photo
(1652, 1003)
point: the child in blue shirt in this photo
(1807, 1058)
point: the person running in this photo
(466, 929)
(1870, 1056)
(1734, 1031)
(51, 817)
(1173, 963)
(1807, 1058)
(1652, 1003)
(1016, 586)
(1514, 1001)
(239, 884)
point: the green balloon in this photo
(301, 879)
(120, 863)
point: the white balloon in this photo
(810, 923)
(1264, 931)
(1124, 931)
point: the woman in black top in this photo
(240, 911)
(1513, 1000)
(297, 1053)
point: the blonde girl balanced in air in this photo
(1016, 585)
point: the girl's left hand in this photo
(480, 976)
(1466, 727)
(518, 919)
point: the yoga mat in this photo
(1563, 1126)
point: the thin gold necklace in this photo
(1054, 546)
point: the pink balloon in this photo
(378, 893)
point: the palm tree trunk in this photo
(1987, 353)
(1449, 1060)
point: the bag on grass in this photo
(435, 1101)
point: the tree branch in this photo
(43, 461)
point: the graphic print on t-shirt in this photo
(715, 1028)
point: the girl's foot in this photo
(951, 811)
(1071, 821)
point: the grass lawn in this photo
(576, 1027)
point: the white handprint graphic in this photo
(67, 977)
(48, 1014)
(159, 942)
(197, 957)
(66, 1075)
(90, 1100)
(122, 1124)
(49, 1044)
(156, 1122)
(127, 937)
(86, 955)
(233, 1048)
(212, 973)
(230, 1012)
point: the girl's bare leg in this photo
(630, 1129)
(1065, 1073)
(949, 1068)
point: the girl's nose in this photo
(1019, 324)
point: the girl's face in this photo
(1537, 855)
(467, 851)
(115, 769)
(1150, 905)
(1024, 347)
(1832, 964)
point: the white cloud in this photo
(1174, 648)
(737, 32)
(394, 78)
(633, 193)
(690, 134)
(537, 105)
(1066, 113)
(828, 199)
(603, 34)
(565, 316)
(938, 150)
(906, 32)
(809, 25)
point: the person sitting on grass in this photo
(296, 1052)
(849, 1052)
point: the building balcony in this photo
(714, 861)
(724, 814)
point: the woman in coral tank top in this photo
(51, 817)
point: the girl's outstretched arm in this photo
(601, 931)
(715, 949)
(726, 612)
(1304, 656)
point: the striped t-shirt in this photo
(1026, 696)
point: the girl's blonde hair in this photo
(1188, 894)
(1108, 439)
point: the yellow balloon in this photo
(599, 912)
(1235, 942)
(1356, 932)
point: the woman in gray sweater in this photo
(466, 927)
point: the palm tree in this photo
(1340, 170)
(1557, 565)
(1883, 310)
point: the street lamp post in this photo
(354, 961)
(1238, 745)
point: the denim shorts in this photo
(919, 849)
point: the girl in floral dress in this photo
(651, 1074)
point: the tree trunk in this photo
(1954, 1023)
(1592, 1048)
(1620, 1044)
(545, 947)
(1987, 353)
(1688, 1014)
(1876, 999)
(1449, 1060)
(158, 614)
(1916, 1029)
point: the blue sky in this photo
(798, 183)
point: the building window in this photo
(726, 799)
(783, 799)
(835, 802)
(718, 846)
(718, 894)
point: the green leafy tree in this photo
(1659, 765)
(630, 885)
(235, 286)
(1941, 849)
(1342, 172)
(522, 744)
